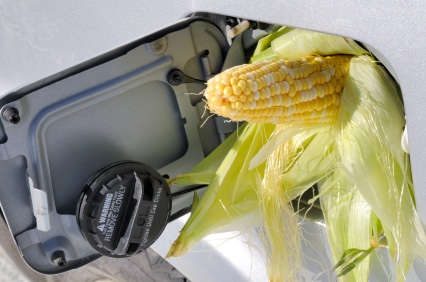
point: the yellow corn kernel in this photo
(236, 90)
(227, 91)
(242, 84)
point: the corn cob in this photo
(286, 91)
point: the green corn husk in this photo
(299, 43)
(220, 205)
(348, 221)
(308, 164)
(364, 177)
(265, 42)
(372, 158)
(267, 54)
(206, 170)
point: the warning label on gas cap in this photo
(110, 211)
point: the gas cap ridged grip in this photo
(124, 208)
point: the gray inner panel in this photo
(14, 194)
(123, 127)
(123, 109)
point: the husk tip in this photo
(177, 249)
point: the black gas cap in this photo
(124, 208)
